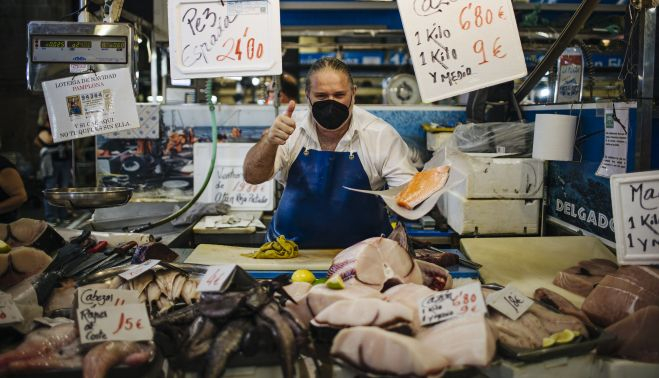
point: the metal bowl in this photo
(88, 198)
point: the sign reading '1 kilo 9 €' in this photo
(458, 46)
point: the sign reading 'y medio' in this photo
(458, 46)
(210, 38)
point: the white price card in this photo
(452, 303)
(9, 313)
(91, 104)
(139, 269)
(110, 323)
(510, 302)
(458, 46)
(210, 38)
(215, 277)
(94, 297)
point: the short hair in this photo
(289, 86)
(328, 62)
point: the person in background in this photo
(321, 151)
(55, 165)
(288, 91)
(12, 191)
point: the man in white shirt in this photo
(317, 153)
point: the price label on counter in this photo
(139, 269)
(452, 303)
(9, 313)
(215, 277)
(92, 297)
(510, 302)
(458, 46)
(114, 323)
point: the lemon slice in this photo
(4, 247)
(319, 281)
(548, 341)
(303, 275)
(335, 282)
(564, 336)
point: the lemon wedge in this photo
(4, 247)
(548, 341)
(564, 336)
(335, 283)
(303, 275)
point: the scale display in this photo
(79, 49)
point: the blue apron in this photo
(316, 211)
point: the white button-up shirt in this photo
(382, 152)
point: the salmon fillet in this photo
(422, 186)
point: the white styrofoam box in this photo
(490, 216)
(488, 177)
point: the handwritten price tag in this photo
(452, 303)
(91, 297)
(215, 277)
(9, 313)
(138, 269)
(510, 302)
(108, 323)
(458, 46)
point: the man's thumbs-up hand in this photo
(282, 127)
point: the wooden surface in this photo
(215, 254)
(533, 262)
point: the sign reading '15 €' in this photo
(224, 37)
(458, 46)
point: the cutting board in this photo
(216, 254)
(532, 262)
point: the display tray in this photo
(580, 346)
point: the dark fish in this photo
(201, 333)
(283, 334)
(181, 316)
(224, 345)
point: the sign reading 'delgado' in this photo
(224, 37)
(458, 46)
(635, 200)
(91, 104)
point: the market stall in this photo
(444, 246)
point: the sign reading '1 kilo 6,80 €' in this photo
(226, 37)
(458, 46)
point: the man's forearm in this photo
(259, 163)
(12, 203)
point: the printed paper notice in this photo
(616, 137)
(91, 104)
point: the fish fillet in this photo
(422, 186)
(374, 350)
(473, 342)
(364, 312)
(409, 295)
(320, 297)
(40, 343)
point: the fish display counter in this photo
(385, 306)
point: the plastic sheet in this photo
(496, 137)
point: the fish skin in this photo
(177, 287)
(104, 356)
(165, 280)
(40, 343)
(283, 334)
(224, 345)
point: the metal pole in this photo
(646, 67)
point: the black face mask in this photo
(330, 114)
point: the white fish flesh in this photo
(364, 312)
(374, 350)
(378, 263)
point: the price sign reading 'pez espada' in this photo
(224, 37)
(458, 46)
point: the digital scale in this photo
(62, 49)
